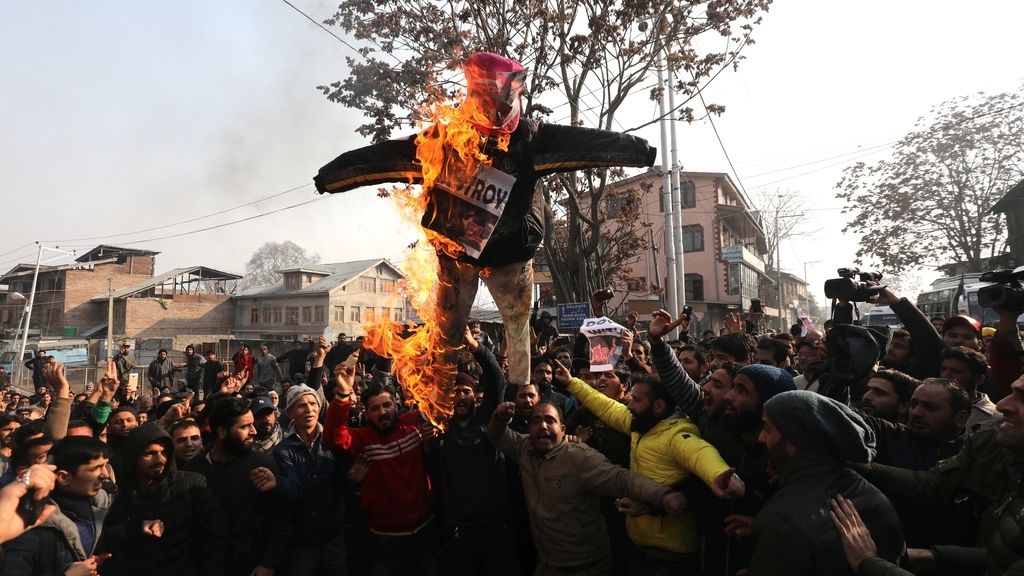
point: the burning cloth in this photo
(479, 166)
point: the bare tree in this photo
(585, 57)
(782, 214)
(261, 268)
(930, 203)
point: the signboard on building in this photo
(732, 253)
(571, 316)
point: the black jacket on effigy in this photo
(794, 535)
(535, 150)
(195, 533)
(258, 522)
(473, 485)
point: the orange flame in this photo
(450, 148)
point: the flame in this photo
(451, 147)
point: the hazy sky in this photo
(123, 116)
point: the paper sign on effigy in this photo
(475, 207)
(605, 338)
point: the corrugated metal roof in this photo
(201, 271)
(340, 273)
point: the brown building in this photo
(1012, 205)
(307, 300)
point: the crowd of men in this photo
(853, 450)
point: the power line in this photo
(190, 220)
(322, 27)
(214, 227)
(724, 151)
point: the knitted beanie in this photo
(768, 380)
(814, 423)
(298, 391)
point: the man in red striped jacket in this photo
(397, 496)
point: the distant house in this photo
(307, 300)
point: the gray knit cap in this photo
(814, 423)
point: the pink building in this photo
(723, 244)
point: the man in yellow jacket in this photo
(666, 450)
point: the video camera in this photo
(1006, 290)
(846, 288)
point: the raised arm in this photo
(492, 379)
(688, 395)
(612, 413)
(59, 414)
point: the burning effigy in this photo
(476, 165)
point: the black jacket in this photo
(257, 521)
(473, 484)
(794, 535)
(535, 150)
(195, 533)
(312, 483)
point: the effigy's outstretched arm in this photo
(390, 161)
(558, 148)
(511, 286)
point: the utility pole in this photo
(671, 295)
(110, 318)
(677, 206)
(654, 257)
(20, 365)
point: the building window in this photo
(620, 205)
(370, 316)
(398, 315)
(339, 313)
(353, 314)
(277, 315)
(265, 315)
(307, 314)
(292, 282)
(387, 286)
(688, 194)
(384, 313)
(309, 278)
(694, 287)
(254, 316)
(319, 314)
(693, 238)
(291, 315)
(367, 284)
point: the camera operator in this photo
(1005, 355)
(925, 343)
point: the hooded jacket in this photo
(195, 532)
(55, 544)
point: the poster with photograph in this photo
(472, 209)
(605, 337)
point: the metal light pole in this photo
(671, 295)
(20, 365)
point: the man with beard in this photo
(193, 370)
(312, 482)
(561, 480)
(473, 488)
(122, 421)
(726, 525)
(188, 440)
(614, 445)
(244, 481)
(161, 371)
(64, 542)
(268, 430)
(695, 361)
(968, 367)
(809, 438)
(888, 396)
(666, 450)
(163, 522)
(243, 363)
(542, 378)
(397, 495)
(986, 465)
(8, 424)
(213, 373)
(526, 397)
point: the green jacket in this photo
(669, 453)
(984, 467)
